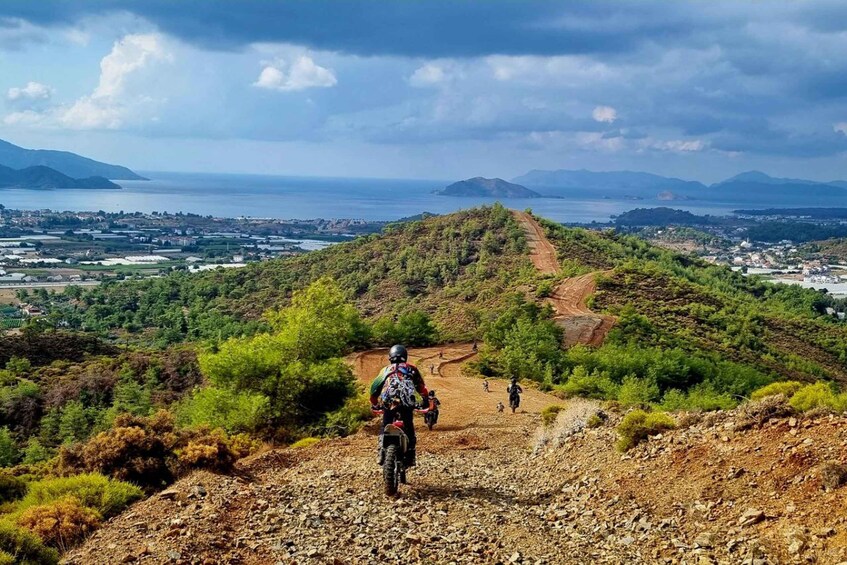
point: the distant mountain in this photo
(758, 177)
(70, 164)
(756, 186)
(479, 186)
(564, 182)
(45, 177)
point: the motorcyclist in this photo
(396, 385)
(431, 404)
(514, 390)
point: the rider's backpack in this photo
(398, 384)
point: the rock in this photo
(515, 557)
(751, 517)
(128, 558)
(705, 540)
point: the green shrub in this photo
(638, 425)
(637, 392)
(25, 547)
(701, 397)
(788, 388)
(595, 385)
(9, 453)
(234, 411)
(818, 395)
(62, 523)
(35, 452)
(305, 442)
(11, 487)
(106, 496)
(544, 289)
(6, 558)
(594, 421)
(548, 415)
(348, 419)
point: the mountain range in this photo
(66, 163)
(751, 185)
(45, 177)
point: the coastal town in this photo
(46, 250)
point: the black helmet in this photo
(432, 393)
(514, 379)
(398, 354)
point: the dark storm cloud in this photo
(418, 28)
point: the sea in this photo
(284, 197)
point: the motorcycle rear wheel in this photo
(389, 470)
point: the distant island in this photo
(69, 164)
(45, 177)
(496, 188)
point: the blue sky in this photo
(431, 89)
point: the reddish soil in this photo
(581, 325)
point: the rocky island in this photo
(480, 186)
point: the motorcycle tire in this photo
(389, 470)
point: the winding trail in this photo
(569, 299)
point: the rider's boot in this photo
(409, 459)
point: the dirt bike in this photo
(514, 401)
(431, 417)
(395, 444)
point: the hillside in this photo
(45, 177)
(492, 188)
(643, 329)
(501, 488)
(69, 164)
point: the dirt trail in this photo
(706, 494)
(581, 325)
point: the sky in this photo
(430, 88)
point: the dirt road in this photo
(581, 325)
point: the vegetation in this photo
(448, 267)
(548, 415)
(638, 425)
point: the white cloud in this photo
(303, 73)
(681, 145)
(605, 114)
(113, 103)
(33, 91)
(429, 74)
(840, 127)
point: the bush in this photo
(305, 442)
(206, 449)
(788, 388)
(9, 454)
(62, 523)
(595, 385)
(595, 420)
(701, 397)
(348, 419)
(25, 547)
(234, 411)
(548, 415)
(11, 487)
(818, 395)
(637, 392)
(107, 496)
(151, 452)
(638, 425)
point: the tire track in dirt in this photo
(569, 299)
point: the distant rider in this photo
(432, 402)
(500, 406)
(485, 385)
(397, 383)
(514, 390)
